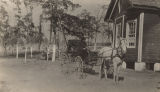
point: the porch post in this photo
(139, 65)
(140, 42)
(114, 35)
(123, 26)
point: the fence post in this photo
(54, 53)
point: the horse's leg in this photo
(78, 69)
(105, 70)
(101, 68)
(115, 72)
(81, 70)
(118, 71)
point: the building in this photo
(139, 22)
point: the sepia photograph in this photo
(79, 45)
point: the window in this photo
(131, 33)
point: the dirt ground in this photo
(42, 76)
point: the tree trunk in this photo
(25, 60)
(39, 46)
(51, 25)
(59, 45)
(54, 53)
(5, 51)
(40, 33)
(12, 49)
(17, 51)
(54, 48)
(47, 53)
(95, 44)
(65, 39)
(31, 52)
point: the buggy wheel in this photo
(79, 66)
(105, 71)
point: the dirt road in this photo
(41, 76)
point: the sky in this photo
(92, 5)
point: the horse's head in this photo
(123, 45)
(122, 49)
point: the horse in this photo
(115, 55)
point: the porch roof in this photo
(143, 4)
(149, 3)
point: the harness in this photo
(118, 53)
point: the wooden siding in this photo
(131, 55)
(151, 39)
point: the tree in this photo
(19, 25)
(73, 25)
(79, 25)
(94, 23)
(25, 24)
(99, 23)
(4, 26)
(40, 37)
(32, 35)
(88, 23)
(29, 28)
(54, 9)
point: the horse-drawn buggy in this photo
(109, 58)
(77, 52)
